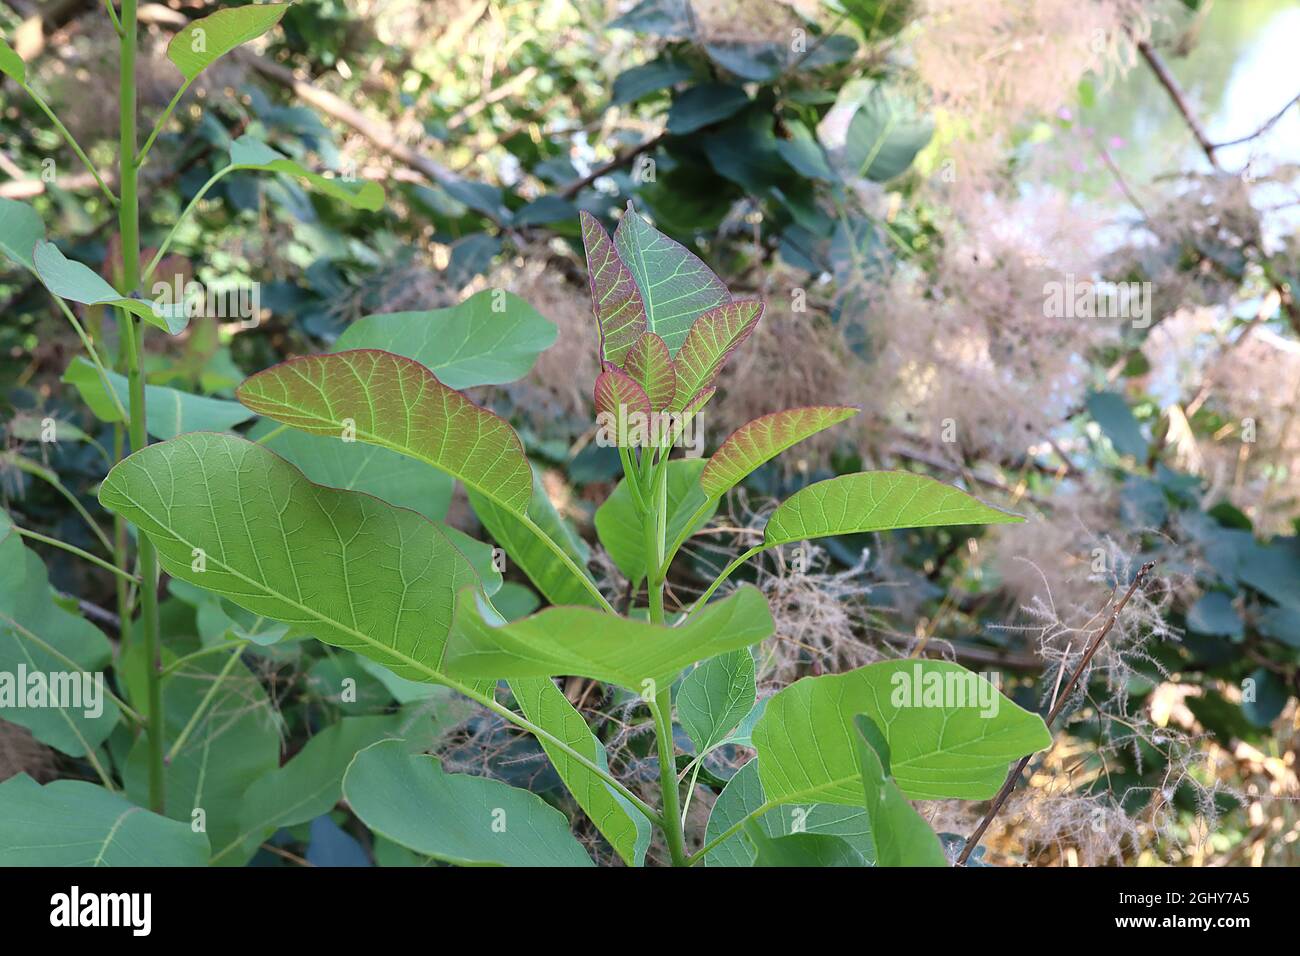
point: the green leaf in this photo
(352, 570)
(804, 153)
(704, 105)
(556, 580)
(307, 786)
(648, 364)
(625, 827)
(395, 402)
(171, 411)
(1116, 420)
(801, 850)
(21, 230)
(71, 823)
(12, 66)
(640, 81)
(885, 134)
(249, 152)
(39, 637)
(757, 442)
(618, 522)
(589, 643)
(357, 466)
(875, 501)
(453, 817)
(235, 740)
(715, 697)
(615, 298)
(709, 343)
(676, 287)
(69, 279)
(205, 40)
(900, 834)
(950, 733)
(491, 338)
(743, 796)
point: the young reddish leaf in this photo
(761, 440)
(394, 402)
(648, 365)
(620, 311)
(616, 392)
(675, 285)
(711, 340)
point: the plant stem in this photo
(128, 217)
(76, 147)
(672, 819)
(729, 833)
(726, 573)
(73, 549)
(200, 710)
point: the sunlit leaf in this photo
(709, 343)
(950, 733)
(350, 569)
(675, 285)
(620, 310)
(900, 834)
(588, 643)
(397, 403)
(203, 41)
(647, 363)
(875, 501)
(757, 442)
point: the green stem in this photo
(94, 356)
(121, 553)
(162, 121)
(73, 549)
(672, 820)
(726, 573)
(567, 561)
(728, 833)
(180, 662)
(189, 208)
(52, 479)
(128, 217)
(112, 15)
(200, 710)
(76, 147)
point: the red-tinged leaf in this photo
(713, 337)
(618, 395)
(675, 285)
(753, 444)
(395, 402)
(620, 310)
(648, 364)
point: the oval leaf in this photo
(648, 364)
(675, 285)
(249, 152)
(587, 643)
(620, 310)
(715, 697)
(395, 402)
(207, 39)
(709, 343)
(469, 821)
(757, 442)
(875, 501)
(950, 733)
(69, 279)
(353, 570)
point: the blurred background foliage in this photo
(904, 182)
